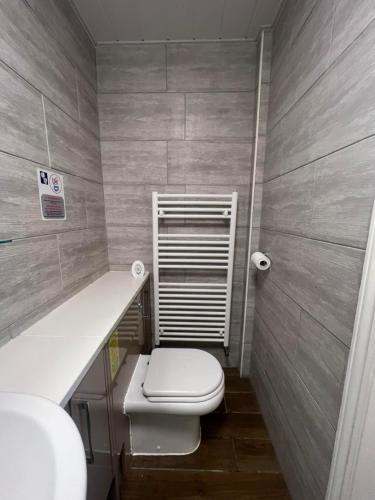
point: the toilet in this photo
(167, 394)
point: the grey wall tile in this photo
(95, 211)
(137, 68)
(141, 116)
(349, 21)
(291, 456)
(263, 110)
(220, 116)
(267, 57)
(318, 356)
(82, 253)
(323, 278)
(238, 284)
(310, 427)
(306, 60)
(19, 201)
(293, 16)
(30, 276)
(330, 199)
(42, 40)
(240, 246)
(22, 120)
(136, 162)
(337, 111)
(288, 201)
(194, 162)
(38, 313)
(26, 47)
(4, 337)
(257, 204)
(87, 105)
(131, 204)
(261, 158)
(72, 148)
(249, 330)
(279, 312)
(255, 244)
(321, 362)
(344, 192)
(129, 243)
(59, 18)
(211, 66)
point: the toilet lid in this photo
(182, 372)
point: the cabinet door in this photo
(124, 347)
(90, 411)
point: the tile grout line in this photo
(46, 131)
(304, 237)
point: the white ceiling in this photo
(160, 20)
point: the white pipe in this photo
(259, 91)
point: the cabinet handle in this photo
(84, 411)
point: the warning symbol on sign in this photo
(55, 183)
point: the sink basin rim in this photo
(61, 435)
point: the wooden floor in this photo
(234, 461)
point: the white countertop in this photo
(51, 357)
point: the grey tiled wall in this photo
(175, 118)
(49, 117)
(318, 190)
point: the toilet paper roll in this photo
(261, 261)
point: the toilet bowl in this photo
(168, 393)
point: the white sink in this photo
(41, 451)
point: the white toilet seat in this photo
(187, 399)
(137, 402)
(182, 373)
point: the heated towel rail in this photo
(193, 253)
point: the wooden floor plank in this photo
(233, 425)
(241, 403)
(204, 485)
(237, 384)
(254, 455)
(222, 408)
(231, 372)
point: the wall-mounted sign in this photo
(51, 195)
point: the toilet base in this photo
(152, 434)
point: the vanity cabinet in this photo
(97, 406)
(89, 408)
(131, 338)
